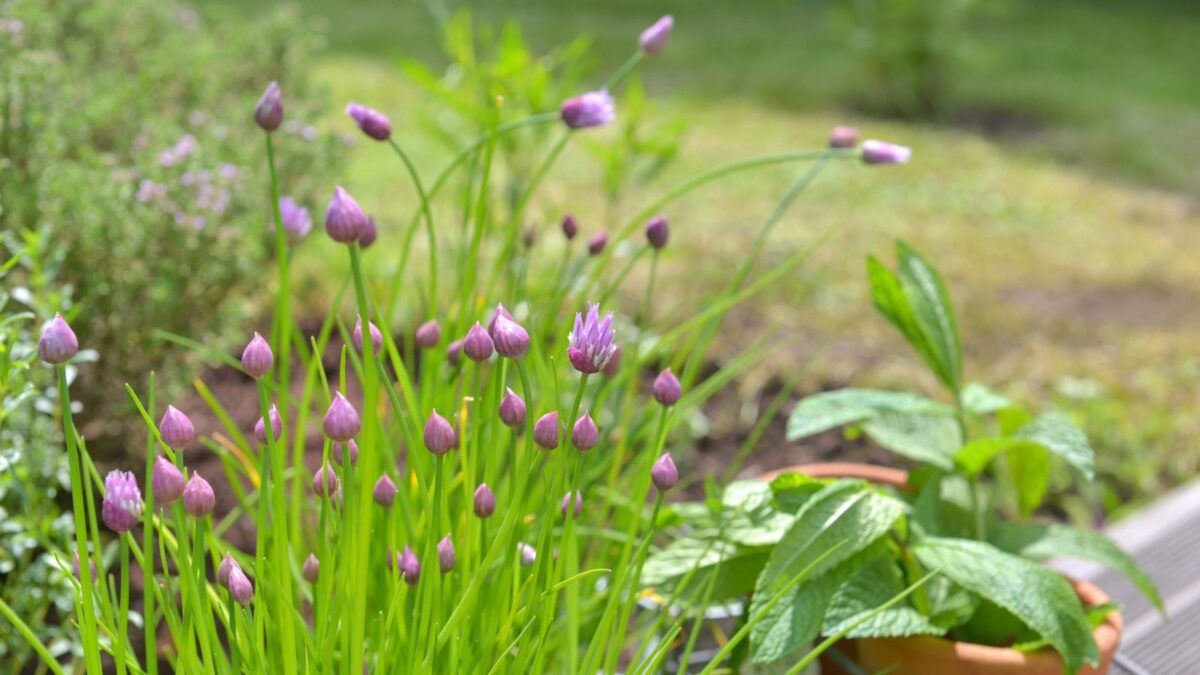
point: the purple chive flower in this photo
(566, 503)
(122, 507)
(58, 342)
(511, 340)
(370, 232)
(657, 231)
(344, 218)
(337, 452)
(228, 564)
(545, 431)
(312, 568)
(409, 566)
(597, 243)
(198, 497)
(439, 435)
(175, 428)
(166, 481)
(654, 38)
(325, 482)
(257, 359)
(512, 409)
(372, 122)
(843, 137)
(269, 111)
(428, 334)
(528, 553)
(500, 311)
(454, 352)
(385, 491)
(240, 587)
(445, 551)
(260, 429)
(585, 435)
(590, 344)
(593, 109)
(376, 336)
(614, 363)
(75, 567)
(664, 474)
(485, 501)
(296, 221)
(341, 421)
(570, 227)
(881, 152)
(666, 388)
(478, 345)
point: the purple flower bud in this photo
(485, 501)
(570, 227)
(296, 221)
(198, 497)
(664, 474)
(545, 431)
(257, 359)
(240, 587)
(593, 109)
(260, 429)
(428, 334)
(614, 362)
(657, 231)
(445, 551)
(58, 342)
(654, 38)
(228, 564)
(344, 218)
(454, 352)
(528, 553)
(597, 243)
(590, 344)
(376, 336)
(585, 435)
(337, 452)
(372, 122)
(75, 567)
(478, 344)
(370, 232)
(269, 111)
(175, 428)
(166, 481)
(122, 506)
(843, 137)
(511, 340)
(325, 482)
(566, 503)
(312, 568)
(500, 311)
(666, 388)
(880, 152)
(385, 491)
(439, 435)
(409, 566)
(512, 409)
(341, 421)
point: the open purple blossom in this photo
(590, 344)
(260, 429)
(341, 420)
(593, 109)
(372, 122)
(296, 221)
(257, 359)
(428, 334)
(664, 474)
(446, 557)
(545, 431)
(882, 152)
(268, 114)
(311, 569)
(376, 336)
(512, 409)
(478, 345)
(654, 38)
(510, 338)
(657, 231)
(175, 428)
(843, 137)
(122, 507)
(439, 435)
(666, 388)
(385, 491)
(485, 501)
(585, 435)
(614, 364)
(57, 343)
(345, 220)
(166, 481)
(198, 497)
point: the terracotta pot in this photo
(924, 655)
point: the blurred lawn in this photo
(1067, 239)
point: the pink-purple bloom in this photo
(376, 336)
(372, 122)
(570, 227)
(240, 587)
(590, 344)
(882, 152)
(384, 492)
(485, 501)
(341, 420)
(528, 553)
(666, 388)
(296, 221)
(510, 338)
(409, 566)
(454, 352)
(337, 452)
(478, 345)
(57, 343)
(428, 334)
(122, 506)
(370, 233)
(269, 111)
(325, 482)
(657, 231)
(345, 220)
(593, 109)
(654, 38)
(166, 481)
(227, 565)
(512, 409)
(585, 435)
(175, 428)
(198, 497)
(567, 503)
(545, 431)
(260, 429)
(843, 137)
(597, 243)
(257, 359)
(446, 557)
(664, 474)
(439, 436)
(311, 569)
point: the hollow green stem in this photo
(431, 291)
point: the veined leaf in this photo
(1036, 595)
(943, 507)
(932, 439)
(752, 519)
(736, 568)
(827, 410)
(933, 313)
(793, 489)
(889, 297)
(1030, 467)
(1060, 435)
(975, 456)
(870, 587)
(981, 400)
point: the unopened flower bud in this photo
(269, 111)
(257, 358)
(528, 553)
(439, 435)
(593, 109)
(485, 501)
(428, 334)
(570, 227)
(666, 388)
(198, 497)
(654, 38)
(478, 345)
(58, 342)
(122, 506)
(843, 137)
(296, 221)
(372, 122)
(597, 243)
(454, 352)
(409, 566)
(312, 568)
(545, 431)
(344, 218)
(75, 568)
(227, 565)
(445, 551)
(175, 428)
(260, 429)
(341, 420)
(370, 232)
(512, 409)
(664, 474)
(585, 434)
(657, 231)
(166, 482)
(337, 452)
(566, 503)
(240, 587)
(385, 491)
(880, 152)
(376, 336)
(510, 338)
(325, 482)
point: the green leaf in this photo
(1060, 436)
(793, 489)
(1036, 595)
(981, 400)
(1030, 467)
(978, 453)
(932, 439)
(735, 567)
(868, 588)
(831, 409)
(950, 605)
(890, 299)
(1041, 542)
(751, 518)
(943, 507)
(933, 312)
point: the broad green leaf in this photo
(943, 507)
(978, 453)
(831, 409)
(736, 568)
(751, 517)
(1029, 464)
(868, 588)
(891, 301)
(1060, 436)
(1011, 419)
(931, 439)
(793, 489)
(1041, 542)
(1036, 595)
(950, 605)
(981, 400)
(933, 312)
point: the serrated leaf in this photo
(932, 439)
(868, 588)
(1042, 542)
(1030, 467)
(933, 312)
(1036, 595)
(1060, 436)
(982, 400)
(735, 567)
(827, 410)
(750, 516)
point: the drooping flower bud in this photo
(409, 566)
(445, 551)
(528, 553)
(566, 503)
(880, 152)
(198, 497)
(570, 227)
(175, 428)
(370, 232)
(296, 221)
(269, 111)
(257, 359)
(58, 342)
(510, 338)
(166, 482)
(341, 420)
(337, 452)
(654, 38)
(240, 587)
(597, 243)
(439, 435)
(512, 409)
(312, 568)
(657, 231)
(545, 431)
(260, 429)
(666, 388)
(664, 474)
(344, 218)
(843, 137)
(454, 352)
(485, 501)
(614, 362)
(385, 491)
(325, 482)
(122, 506)
(372, 122)
(593, 109)
(478, 344)
(227, 565)
(590, 344)
(376, 336)
(428, 334)
(585, 435)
